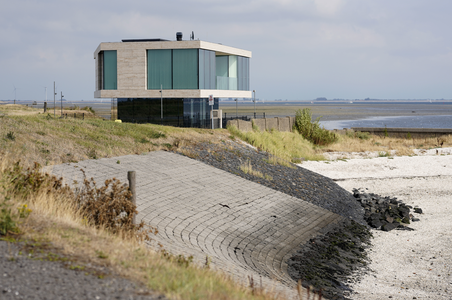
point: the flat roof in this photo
(144, 40)
(163, 44)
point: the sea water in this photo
(399, 115)
(429, 121)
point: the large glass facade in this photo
(187, 112)
(109, 70)
(196, 69)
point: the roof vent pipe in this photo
(179, 36)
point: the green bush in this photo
(7, 219)
(358, 134)
(89, 108)
(311, 130)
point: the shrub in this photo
(311, 130)
(8, 222)
(10, 136)
(89, 109)
(26, 181)
(358, 134)
(108, 207)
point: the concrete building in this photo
(169, 82)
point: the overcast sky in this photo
(302, 49)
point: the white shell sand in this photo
(406, 264)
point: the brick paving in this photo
(243, 227)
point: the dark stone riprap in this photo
(385, 213)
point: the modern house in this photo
(169, 82)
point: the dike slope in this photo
(247, 226)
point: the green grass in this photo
(285, 146)
(46, 139)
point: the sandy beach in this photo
(405, 264)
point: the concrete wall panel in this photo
(245, 125)
(260, 123)
(232, 123)
(271, 123)
(283, 124)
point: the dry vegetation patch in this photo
(395, 146)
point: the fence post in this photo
(45, 106)
(132, 180)
(75, 117)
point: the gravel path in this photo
(28, 277)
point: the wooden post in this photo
(45, 106)
(132, 180)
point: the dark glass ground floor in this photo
(181, 112)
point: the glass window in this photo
(222, 65)
(243, 67)
(148, 110)
(159, 69)
(185, 69)
(109, 72)
(207, 69)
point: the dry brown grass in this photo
(247, 168)
(401, 146)
(18, 110)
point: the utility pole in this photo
(254, 92)
(61, 104)
(54, 102)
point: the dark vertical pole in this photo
(54, 101)
(75, 116)
(45, 106)
(132, 180)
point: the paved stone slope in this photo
(199, 210)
